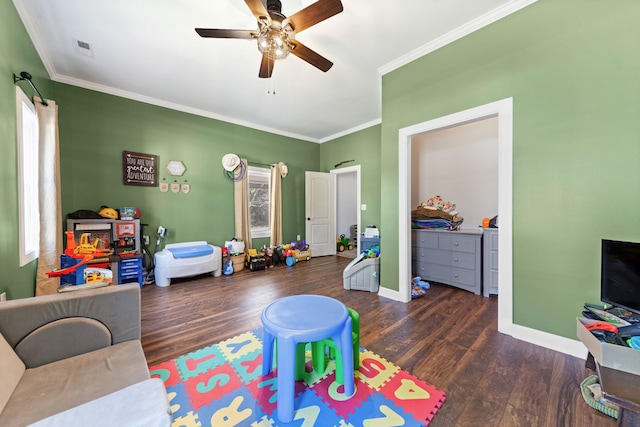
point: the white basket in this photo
(237, 246)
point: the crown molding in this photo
(178, 107)
(466, 29)
(352, 130)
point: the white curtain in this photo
(49, 197)
(241, 204)
(275, 207)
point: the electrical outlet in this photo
(3, 296)
(298, 237)
(146, 240)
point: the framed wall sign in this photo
(139, 169)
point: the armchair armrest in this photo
(28, 324)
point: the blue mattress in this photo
(191, 251)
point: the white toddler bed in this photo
(187, 259)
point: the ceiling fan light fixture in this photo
(276, 32)
(274, 42)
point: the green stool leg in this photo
(319, 352)
(300, 360)
(355, 322)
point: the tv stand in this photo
(623, 389)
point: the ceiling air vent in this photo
(83, 48)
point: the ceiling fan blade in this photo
(312, 57)
(259, 10)
(314, 13)
(227, 34)
(266, 67)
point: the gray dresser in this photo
(450, 257)
(490, 262)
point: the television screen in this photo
(620, 274)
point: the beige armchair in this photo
(75, 359)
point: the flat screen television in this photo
(620, 274)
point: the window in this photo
(259, 193)
(29, 214)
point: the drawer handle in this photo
(455, 274)
(455, 244)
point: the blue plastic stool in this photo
(301, 319)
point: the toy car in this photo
(342, 243)
(304, 255)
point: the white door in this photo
(320, 213)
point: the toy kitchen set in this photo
(99, 252)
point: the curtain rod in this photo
(257, 164)
(26, 76)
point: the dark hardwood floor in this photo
(448, 338)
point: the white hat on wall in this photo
(230, 161)
(284, 170)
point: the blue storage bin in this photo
(366, 242)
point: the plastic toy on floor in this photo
(418, 287)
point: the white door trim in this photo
(502, 109)
(350, 169)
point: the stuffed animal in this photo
(268, 257)
(437, 203)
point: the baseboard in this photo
(544, 339)
(391, 294)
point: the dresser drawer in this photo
(458, 277)
(457, 243)
(448, 258)
(491, 239)
(491, 282)
(491, 260)
(424, 240)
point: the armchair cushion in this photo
(56, 387)
(62, 338)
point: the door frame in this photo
(349, 169)
(503, 110)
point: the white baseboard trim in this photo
(391, 294)
(544, 339)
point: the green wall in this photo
(363, 147)
(17, 54)
(572, 68)
(96, 128)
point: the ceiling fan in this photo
(276, 33)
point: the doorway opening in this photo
(348, 202)
(503, 110)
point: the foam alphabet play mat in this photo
(222, 386)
